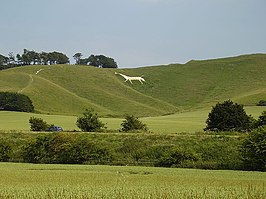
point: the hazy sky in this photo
(135, 32)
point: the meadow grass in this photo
(189, 122)
(84, 181)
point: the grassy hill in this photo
(68, 89)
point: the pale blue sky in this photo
(135, 32)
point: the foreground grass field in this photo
(80, 181)
(180, 122)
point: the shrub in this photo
(15, 102)
(262, 103)
(228, 116)
(262, 119)
(65, 148)
(5, 150)
(37, 150)
(132, 123)
(176, 156)
(37, 124)
(253, 150)
(90, 122)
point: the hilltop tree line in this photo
(31, 57)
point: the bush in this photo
(37, 150)
(15, 102)
(5, 150)
(253, 150)
(228, 116)
(37, 124)
(132, 123)
(65, 148)
(90, 122)
(262, 119)
(177, 156)
(262, 103)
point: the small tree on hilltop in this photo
(228, 116)
(90, 122)
(132, 123)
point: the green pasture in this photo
(168, 89)
(87, 181)
(192, 121)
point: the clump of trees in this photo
(99, 61)
(31, 57)
(15, 102)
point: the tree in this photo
(38, 124)
(228, 116)
(90, 122)
(77, 57)
(253, 150)
(15, 102)
(3, 60)
(132, 123)
(102, 61)
(44, 58)
(57, 58)
(11, 58)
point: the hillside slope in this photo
(68, 89)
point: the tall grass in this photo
(65, 181)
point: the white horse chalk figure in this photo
(38, 71)
(140, 79)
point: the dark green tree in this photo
(15, 102)
(228, 116)
(90, 122)
(102, 61)
(57, 58)
(132, 123)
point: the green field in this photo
(192, 121)
(174, 102)
(175, 88)
(83, 181)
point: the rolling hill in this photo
(69, 89)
